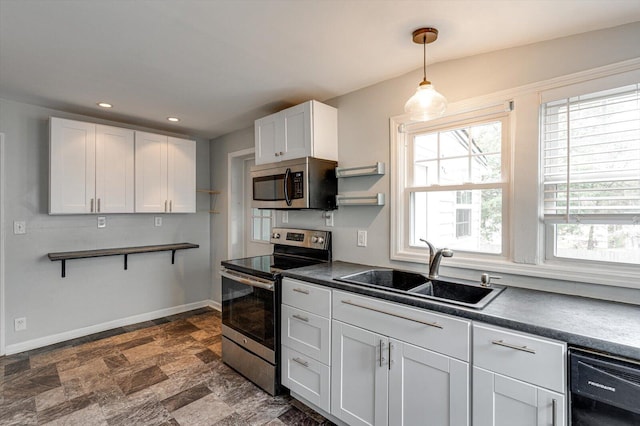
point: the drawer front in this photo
(307, 333)
(306, 296)
(306, 377)
(528, 358)
(440, 333)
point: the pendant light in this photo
(426, 103)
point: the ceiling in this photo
(220, 64)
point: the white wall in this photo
(363, 131)
(95, 291)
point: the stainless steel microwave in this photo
(303, 183)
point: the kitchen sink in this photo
(459, 292)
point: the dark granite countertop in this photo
(590, 323)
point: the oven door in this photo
(249, 312)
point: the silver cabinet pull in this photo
(301, 290)
(509, 345)
(430, 324)
(165, 206)
(300, 317)
(98, 205)
(92, 205)
(301, 362)
(170, 206)
(390, 347)
(554, 409)
(381, 358)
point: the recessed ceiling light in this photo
(173, 119)
(105, 105)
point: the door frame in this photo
(3, 322)
(235, 197)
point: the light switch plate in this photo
(328, 219)
(157, 221)
(285, 217)
(102, 222)
(362, 238)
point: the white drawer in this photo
(437, 332)
(306, 296)
(529, 358)
(307, 333)
(306, 377)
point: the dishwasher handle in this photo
(607, 380)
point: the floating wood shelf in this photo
(125, 251)
(210, 192)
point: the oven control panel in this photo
(301, 238)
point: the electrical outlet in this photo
(19, 227)
(328, 218)
(157, 220)
(285, 217)
(102, 222)
(362, 238)
(20, 324)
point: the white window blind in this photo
(591, 157)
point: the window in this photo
(452, 186)
(591, 176)
(261, 224)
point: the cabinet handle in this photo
(92, 205)
(554, 409)
(277, 154)
(430, 324)
(165, 206)
(381, 358)
(509, 345)
(300, 317)
(390, 346)
(281, 153)
(301, 362)
(98, 205)
(301, 290)
(170, 206)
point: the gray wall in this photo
(364, 137)
(95, 291)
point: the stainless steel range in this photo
(251, 295)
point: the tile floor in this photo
(162, 372)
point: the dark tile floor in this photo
(162, 372)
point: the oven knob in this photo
(317, 240)
(275, 235)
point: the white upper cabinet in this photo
(165, 174)
(91, 168)
(308, 129)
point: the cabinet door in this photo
(503, 401)
(268, 131)
(151, 173)
(72, 167)
(427, 385)
(297, 131)
(181, 175)
(359, 377)
(114, 170)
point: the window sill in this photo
(626, 277)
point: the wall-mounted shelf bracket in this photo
(361, 200)
(371, 170)
(125, 251)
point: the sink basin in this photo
(467, 294)
(386, 278)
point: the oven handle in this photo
(247, 279)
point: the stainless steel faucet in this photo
(435, 256)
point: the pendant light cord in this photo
(424, 57)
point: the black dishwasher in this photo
(605, 390)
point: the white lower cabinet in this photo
(518, 379)
(502, 401)
(380, 380)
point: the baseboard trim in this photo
(85, 331)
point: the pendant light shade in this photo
(426, 103)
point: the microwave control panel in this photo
(297, 178)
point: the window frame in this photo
(271, 218)
(401, 221)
